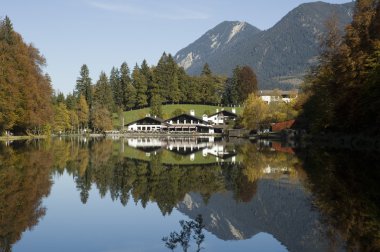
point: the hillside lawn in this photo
(167, 111)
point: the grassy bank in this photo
(168, 110)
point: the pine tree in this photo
(147, 72)
(125, 82)
(155, 105)
(131, 98)
(172, 87)
(184, 83)
(206, 71)
(162, 76)
(60, 98)
(117, 92)
(175, 94)
(140, 83)
(83, 86)
(234, 85)
(71, 102)
(6, 31)
(103, 93)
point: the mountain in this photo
(281, 208)
(216, 41)
(280, 55)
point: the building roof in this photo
(188, 116)
(225, 113)
(157, 119)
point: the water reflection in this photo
(190, 229)
(308, 200)
(24, 180)
(346, 190)
(192, 149)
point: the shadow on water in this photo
(311, 199)
(346, 190)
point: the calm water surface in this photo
(114, 195)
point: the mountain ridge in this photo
(280, 55)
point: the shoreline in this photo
(333, 140)
(15, 138)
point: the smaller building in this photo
(147, 124)
(269, 96)
(276, 127)
(221, 117)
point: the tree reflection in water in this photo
(24, 181)
(184, 236)
(346, 190)
(344, 185)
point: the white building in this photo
(147, 124)
(221, 117)
(189, 123)
(269, 96)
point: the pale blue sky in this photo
(104, 33)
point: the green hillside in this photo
(168, 110)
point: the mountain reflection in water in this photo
(309, 200)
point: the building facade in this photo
(179, 124)
(147, 124)
(220, 118)
(189, 123)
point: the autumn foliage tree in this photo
(242, 83)
(25, 90)
(343, 91)
(255, 112)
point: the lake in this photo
(186, 194)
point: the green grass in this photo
(167, 111)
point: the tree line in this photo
(28, 104)
(152, 86)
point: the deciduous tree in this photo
(254, 112)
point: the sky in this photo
(105, 33)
